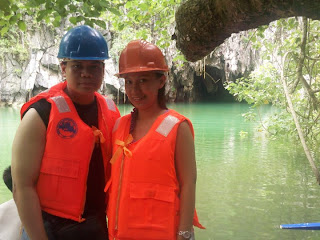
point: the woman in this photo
(152, 190)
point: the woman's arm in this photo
(187, 176)
(27, 151)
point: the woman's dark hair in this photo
(161, 93)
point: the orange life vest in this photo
(144, 190)
(61, 185)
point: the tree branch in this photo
(301, 62)
(295, 119)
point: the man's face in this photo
(83, 76)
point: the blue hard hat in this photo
(83, 43)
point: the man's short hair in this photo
(7, 178)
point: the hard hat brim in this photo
(141, 69)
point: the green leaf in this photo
(79, 19)
(73, 20)
(88, 22)
(4, 30)
(13, 20)
(73, 8)
(39, 2)
(164, 32)
(57, 21)
(291, 22)
(47, 19)
(41, 15)
(5, 6)
(179, 58)
(101, 24)
(14, 8)
(22, 25)
(64, 2)
(104, 4)
(121, 26)
(62, 11)
(260, 34)
(94, 13)
(85, 8)
(144, 6)
(49, 5)
(115, 11)
(128, 5)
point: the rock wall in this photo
(189, 82)
(39, 69)
(204, 80)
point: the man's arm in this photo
(27, 151)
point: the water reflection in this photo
(248, 185)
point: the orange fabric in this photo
(144, 190)
(61, 185)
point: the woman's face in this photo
(142, 89)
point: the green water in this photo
(247, 184)
(9, 121)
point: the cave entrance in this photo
(209, 86)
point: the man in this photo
(61, 151)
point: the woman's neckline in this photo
(151, 127)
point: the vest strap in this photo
(99, 138)
(166, 125)
(62, 104)
(122, 147)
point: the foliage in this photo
(19, 16)
(127, 19)
(13, 44)
(52, 12)
(263, 86)
(141, 19)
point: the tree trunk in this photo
(301, 63)
(294, 116)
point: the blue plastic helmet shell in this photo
(83, 43)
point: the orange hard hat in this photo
(141, 56)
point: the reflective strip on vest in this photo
(61, 103)
(110, 104)
(166, 125)
(116, 124)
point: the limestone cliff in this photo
(22, 77)
(203, 80)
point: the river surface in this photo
(247, 183)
